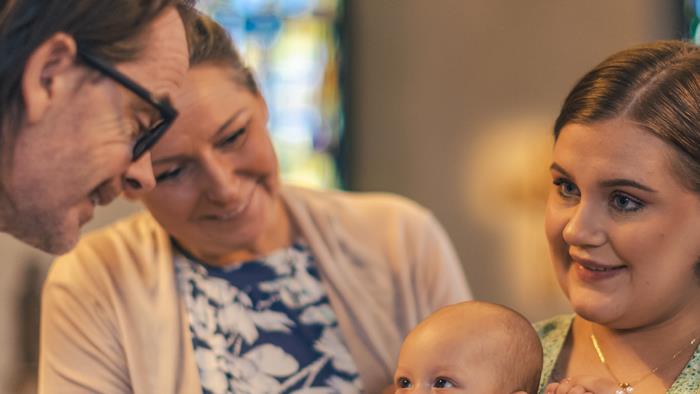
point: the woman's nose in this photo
(223, 184)
(585, 227)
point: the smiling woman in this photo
(233, 281)
(622, 220)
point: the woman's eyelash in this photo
(626, 203)
(233, 137)
(164, 176)
(566, 188)
(560, 181)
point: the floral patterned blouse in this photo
(265, 326)
(553, 333)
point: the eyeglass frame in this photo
(167, 112)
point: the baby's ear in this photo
(520, 392)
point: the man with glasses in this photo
(84, 88)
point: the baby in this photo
(471, 347)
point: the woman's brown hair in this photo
(209, 43)
(656, 86)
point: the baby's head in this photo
(473, 347)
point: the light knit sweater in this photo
(553, 333)
(113, 320)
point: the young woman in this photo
(623, 220)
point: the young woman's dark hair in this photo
(108, 29)
(656, 86)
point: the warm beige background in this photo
(452, 101)
(451, 105)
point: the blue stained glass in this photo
(293, 46)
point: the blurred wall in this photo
(452, 102)
(23, 272)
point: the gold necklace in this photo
(628, 387)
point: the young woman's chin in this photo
(604, 308)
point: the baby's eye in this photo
(442, 383)
(403, 383)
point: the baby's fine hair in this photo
(520, 363)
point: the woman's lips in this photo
(592, 271)
(232, 212)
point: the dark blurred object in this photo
(27, 318)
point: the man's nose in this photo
(139, 178)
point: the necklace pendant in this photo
(624, 388)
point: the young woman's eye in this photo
(403, 383)
(168, 175)
(566, 188)
(624, 203)
(235, 137)
(441, 383)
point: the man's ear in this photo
(44, 72)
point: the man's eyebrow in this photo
(626, 182)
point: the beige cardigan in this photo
(113, 322)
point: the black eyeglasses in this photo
(144, 141)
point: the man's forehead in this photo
(163, 60)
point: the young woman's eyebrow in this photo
(559, 168)
(617, 182)
(626, 182)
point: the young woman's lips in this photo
(591, 271)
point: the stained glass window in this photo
(691, 12)
(294, 48)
